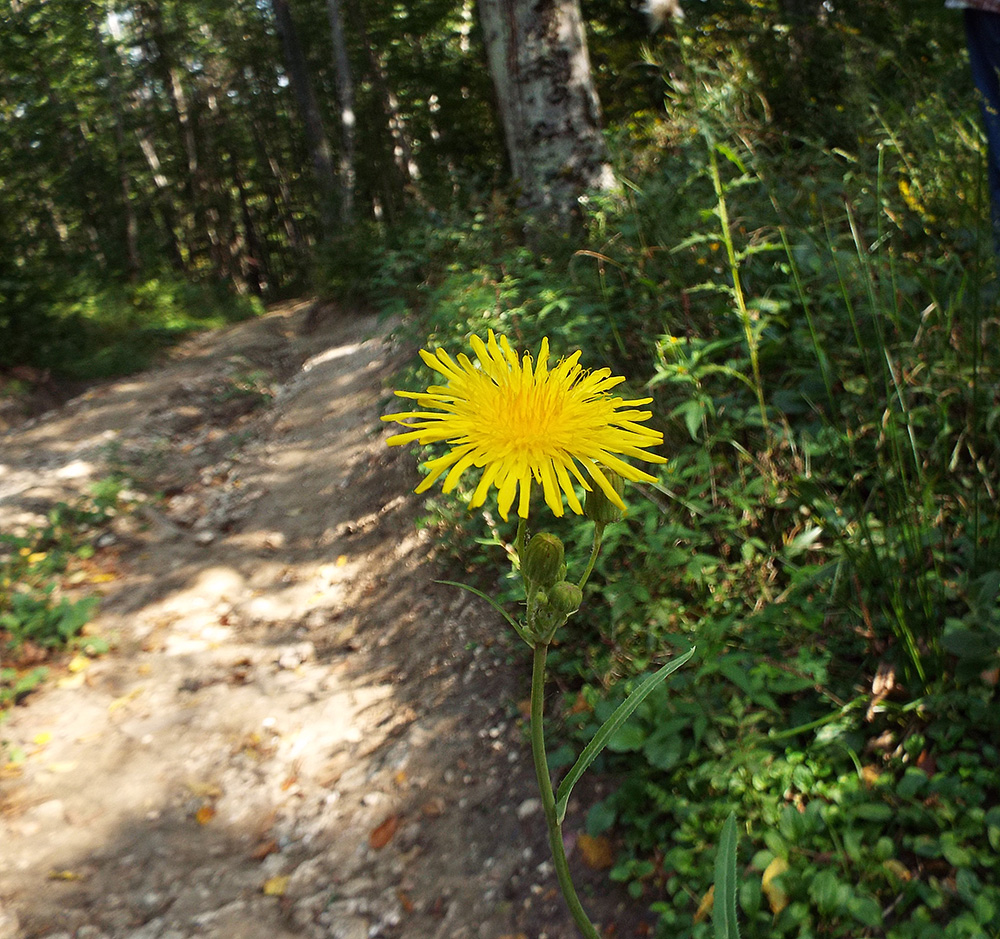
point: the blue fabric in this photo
(982, 31)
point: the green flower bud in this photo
(598, 507)
(565, 598)
(542, 563)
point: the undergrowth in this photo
(821, 348)
(45, 603)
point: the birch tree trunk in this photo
(538, 59)
(345, 95)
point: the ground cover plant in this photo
(820, 344)
(47, 575)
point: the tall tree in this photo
(537, 54)
(345, 95)
(319, 143)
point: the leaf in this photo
(64, 875)
(777, 899)
(205, 814)
(608, 728)
(496, 606)
(724, 913)
(382, 834)
(276, 886)
(597, 853)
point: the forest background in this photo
(793, 258)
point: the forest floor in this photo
(297, 732)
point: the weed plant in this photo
(39, 612)
(817, 320)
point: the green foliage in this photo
(35, 607)
(820, 344)
(83, 329)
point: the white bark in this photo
(537, 54)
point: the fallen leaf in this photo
(276, 886)
(400, 778)
(205, 814)
(776, 897)
(64, 875)
(405, 902)
(433, 808)
(264, 849)
(124, 699)
(382, 835)
(705, 905)
(66, 766)
(72, 681)
(41, 739)
(341, 560)
(78, 663)
(597, 853)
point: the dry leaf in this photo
(64, 875)
(205, 814)
(705, 905)
(276, 886)
(41, 739)
(382, 835)
(264, 849)
(776, 897)
(400, 778)
(433, 808)
(405, 901)
(898, 869)
(597, 852)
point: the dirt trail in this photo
(298, 734)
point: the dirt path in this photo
(298, 734)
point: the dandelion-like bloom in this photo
(521, 422)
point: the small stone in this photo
(204, 537)
(529, 807)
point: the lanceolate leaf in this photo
(607, 730)
(724, 912)
(518, 628)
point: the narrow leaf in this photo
(607, 730)
(724, 912)
(518, 628)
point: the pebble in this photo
(528, 808)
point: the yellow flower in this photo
(521, 424)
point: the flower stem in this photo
(548, 797)
(594, 551)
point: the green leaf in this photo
(496, 606)
(724, 909)
(608, 728)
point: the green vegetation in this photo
(820, 343)
(798, 268)
(42, 571)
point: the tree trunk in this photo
(538, 59)
(319, 144)
(345, 92)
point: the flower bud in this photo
(598, 507)
(565, 598)
(542, 563)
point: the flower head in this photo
(521, 422)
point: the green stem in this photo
(548, 796)
(594, 551)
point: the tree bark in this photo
(538, 59)
(345, 94)
(319, 144)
